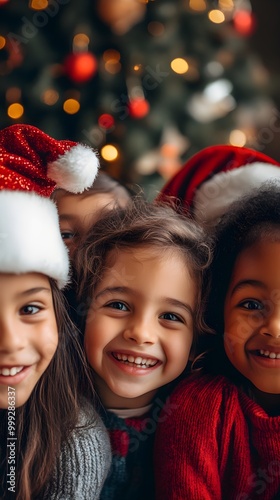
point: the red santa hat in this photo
(215, 177)
(32, 165)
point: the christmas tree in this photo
(147, 83)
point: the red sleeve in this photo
(187, 444)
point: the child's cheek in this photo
(236, 332)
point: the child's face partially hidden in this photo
(77, 212)
(139, 328)
(252, 316)
(28, 334)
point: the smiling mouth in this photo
(11, 372)
(138, 361)
(267, 354)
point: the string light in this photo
(237, 138)
(71, 106)
(179, 66)
(81, 41)
(198, 5)
(137, 67)
(216, 16)
(109, 152)
(15, 110)
(38, 4)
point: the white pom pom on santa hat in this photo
(32, 160)
(75, 170)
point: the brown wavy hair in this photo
(141, 224)
(49, 416)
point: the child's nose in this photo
(141, 332)
(271, 326)
(11, 337)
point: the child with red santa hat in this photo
(221, 440)
(53, 444)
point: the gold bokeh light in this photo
(15, 110)
(109, 152)
(179, 65)
(216, 16)
(71, 106)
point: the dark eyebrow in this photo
(31, 291)
(124, 289)
(243, 283)
(114, 289)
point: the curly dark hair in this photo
(141, 224)
(250, 219)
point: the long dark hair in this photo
(250, 219)
(141, 224)
(46, 420)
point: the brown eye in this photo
(170, 317)
(67, 235)
(29, 309)
(118, 305)
(252, 305)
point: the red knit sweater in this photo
(215, 443)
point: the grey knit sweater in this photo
(83, 463)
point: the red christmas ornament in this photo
(106, 121)
(138, 108)
(80, 67)
(244, 22)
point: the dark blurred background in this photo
(145, 82)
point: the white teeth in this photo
(10, 371)
(143, 362)
(271, 355)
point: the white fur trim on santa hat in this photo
(30, 239)
(214, 196)
(75, 170)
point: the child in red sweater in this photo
(139, 270)
(222, 440)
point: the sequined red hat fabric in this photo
(31, 160)
(32, 164)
